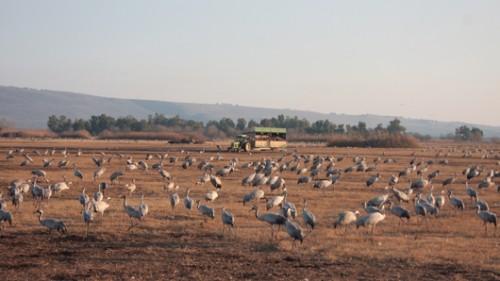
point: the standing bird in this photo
(450, 181)
(227, 219)
(271, 219)
(456, 202)
(87, 217)
(130, 187)
(100, 206)
(205, 211)
(83, 199)
(174, 200)
(295, 232)
(487, 217)
(216, 182)
(131, 212)
(5, 216)
(370, 220)
(371, 181)
(188, 202)
(77, 172)
(51, 223)
(470, 191)
(308, 217)
(98, 173)
(440, 200)
(275, 200)
(143, 208)
(400, 212)
(255, 195)
(345, 219)
(114, 176)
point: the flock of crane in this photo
(318, 172)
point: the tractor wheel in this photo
(247, 147)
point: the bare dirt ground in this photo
(179, 245)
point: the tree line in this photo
(227, 127)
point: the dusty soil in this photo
(178, 245)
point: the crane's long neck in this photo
(124, 201)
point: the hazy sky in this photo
(436, 60)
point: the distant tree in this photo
(241, 124)
(100, 123)
(395, 127)
(79, 124)
(462, 133)
(59, 124)
(476, 134)
(252, 124)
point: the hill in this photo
(30, 108)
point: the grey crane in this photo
(295, 232)
(100, 206)
(289, 206)
(370, 220)
(393, 180)
(164, 174)
(248, 179)
(486, 183)
(322, 184)
(430, 197)
(131, 212)
(271, 219)
(211, 195)
(457, 203)
(440, 200)
(98, 173)
(131, 187)
(51, 223)
(115, 175)
(205, 178)
(400, 212)
(304, 179)
(77, 173)
(174, 200)
(87, 217)
(483, 205)
(188, 202)
(144, 166)
(307, 216)
(98, 195)
(83, 198)
(372, 180)
(63, 163)
(275, 200)
(470, 191)
(227, 219)
(143, 208)
(47, 162)
(400, 195)
(216, 182)
(277, 184)
(419, 184)
(41, 174)
(61, 186)
(372, 209)
(429, 206)
(255, 195)
(449, 181)
(487, 217)
(379, 200)
(205, 210)
(345, 218)
(5, 216)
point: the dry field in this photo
(179, 245)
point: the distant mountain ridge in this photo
(30, 108)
